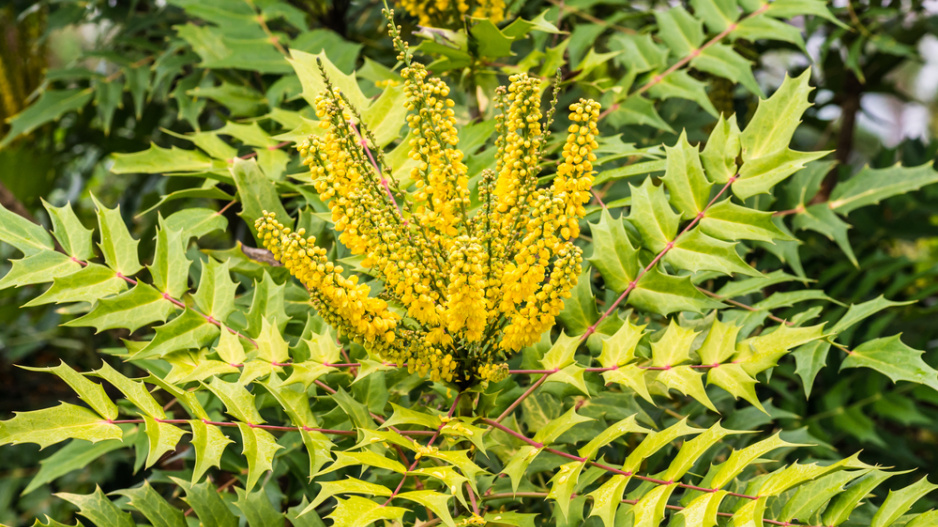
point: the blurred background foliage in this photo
(82, 80)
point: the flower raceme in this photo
(450, 13)
(465, 283)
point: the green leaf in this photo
(722, 148)
(696, 251)
(366, 458)
(90, 392)
(793, 8)
(649, 511)
(85, 285)
(154, 507)
(673, 347)
(652, 215)
(39, 268)
(71, 234)
(665, 294)
(52, 425)
(757, 28)
(73, 456)
(386, 115)
(556, 427)
(561, 352)
(729, 221)
(209, 443)
(170, 267)
(637, 110)
(257, 193)
(639, 52)
(619, 349)
(117, 245)
(891, 357)
(135, 391)
(820, 218)
(771, 128)
(757, 354)
(898, 502)
(267, 304)
(329, 489)
(403, 415)
(270, 344)
(108, 97)
(189, 330)
(23, 234)
(693, 450)
(216, 293)
(131, 310)
(52, 104)
(681, 85)
(156, 160)
(734, 379)
(607, 498)
(722, 61)
(686, 380)
(740, 459)
(702, 510)
(813, 495)
(259, 449)
(655, 441)
(435, 501)
(859, 312)
(197, 222)
(239, 402)
(679, 30)
(98, 509)
(257, 508)
(163, 438)
(313, 85)
(870, 186)
(717, 14)
(610, 434)
(809, 359)
(359, 512)
(840, 508)
(760, 175)
(684, 178)
(579, 311)
(562, 485)
(613, 254)
(206, 503)
(488, 40)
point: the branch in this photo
(670, 245)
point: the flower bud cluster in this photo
(442, 180)
(366, 319)
(574, 175)
(463, 287)
(450, 13)
(466, 305)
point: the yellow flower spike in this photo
(575, 174)
(462, 289)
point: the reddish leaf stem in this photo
(656, 481)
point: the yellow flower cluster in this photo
(540, 308)
(466, 283)
(450, 13)
(442, 196)
(574, 175)
(466, 305)
(362, 316)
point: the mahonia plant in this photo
(518, 425)
(473, 286)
